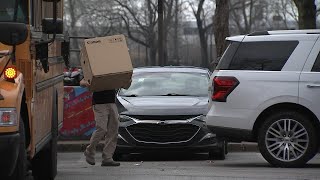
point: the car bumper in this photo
(232, 134)
(223, 115)
(203, 141)
(9, 150)
(124, 149)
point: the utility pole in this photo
(160, 33)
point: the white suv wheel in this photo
(287, 139)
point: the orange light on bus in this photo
(10, 73)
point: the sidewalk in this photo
(80, 145)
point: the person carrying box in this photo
(107, 123)
(107, 66)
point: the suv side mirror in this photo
(12, 33)
(49, 26)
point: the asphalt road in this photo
(242, 165)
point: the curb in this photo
(79, 146)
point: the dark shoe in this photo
(89, 159)
(110, 163)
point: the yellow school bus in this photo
(32, 59)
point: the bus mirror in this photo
(51, 27)
(12, 33)
(42, 55)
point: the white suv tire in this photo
(288, 139)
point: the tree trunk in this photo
(160, 33)
(176, 39)
(202, 35)
(307, 13)
(73, 32)
(153, 53)
(204, 51)
(221, 26)
(153, 56)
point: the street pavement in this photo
(237, 165)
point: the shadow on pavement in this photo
(164, 156)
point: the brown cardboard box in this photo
(106, 62)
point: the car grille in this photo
(171, 117)
(162, 133)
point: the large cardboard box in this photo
(106, 62)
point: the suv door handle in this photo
(313, 85)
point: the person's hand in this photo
(128, 85)
(84, 83)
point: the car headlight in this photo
(124, 118)
(8, 117)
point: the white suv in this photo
(266, 89)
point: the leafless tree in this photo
(221, 25)
(204, 28)
(140, 22)
(307, 13)
(168, 19)
(176, 35)
(245, 14)
(287, 10)
(100, 18)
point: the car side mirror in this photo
(13, 33)
(49, 26)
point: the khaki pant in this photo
(107, 124)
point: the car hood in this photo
(162, 105)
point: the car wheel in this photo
(226, 147)
(219, 153)
(117, 156)
(287, 139)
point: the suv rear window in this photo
(261, 56)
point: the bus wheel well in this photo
(25, 117)
(284, 106)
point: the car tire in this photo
(219, 153)
(117, 156)
(20, 171)
(226, 147)
(287, 139)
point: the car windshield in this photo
(8, 9)
(167, 84)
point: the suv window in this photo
(228, 55)
(316, 66)
(266, 55)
